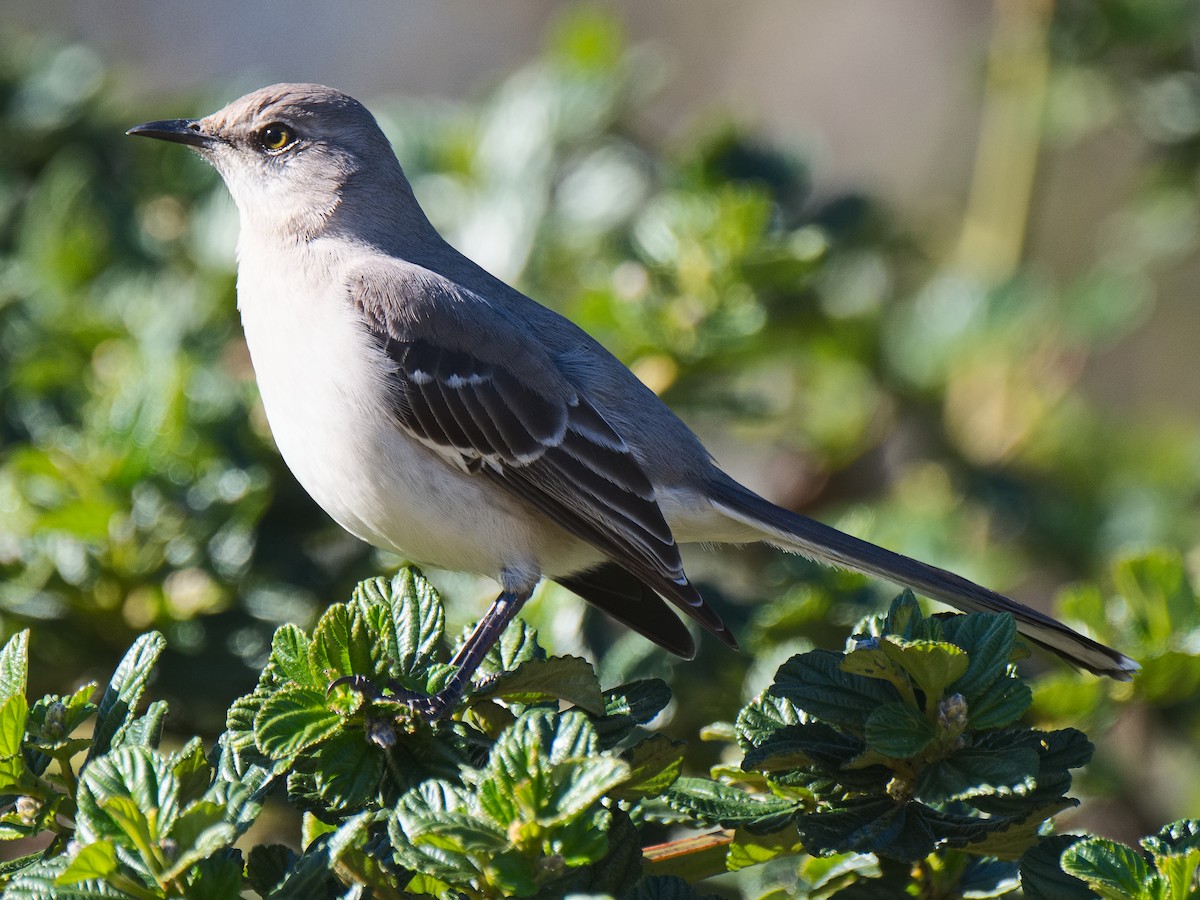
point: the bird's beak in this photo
(178, 131)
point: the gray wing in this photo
(477, 388)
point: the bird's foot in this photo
(407, 703)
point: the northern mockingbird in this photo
(434, 411)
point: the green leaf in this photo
(721, 804)
(517, 644)
(898, 730)
(190, 767)
(219, 877)
(815, 682)
(1176, 851)
(39, 882)
(344, 772)
(654, 764)
(630, 705)
(267, 865)
(290, 656)
(199, 832)
(14, 666)
(339, 647)
(989, 639)
(762, 717)
(973, 771)
(1005, 701)
(420, 620)
(130, 798)
(1114, 871)
(749, 849)
(118, 705)
(146, 730)
(93, 861)
(13, 713)
(566, 678)
(292, 720)
(1042, 875)
(932, 664)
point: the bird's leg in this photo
(471, 654)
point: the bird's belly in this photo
(322, 386)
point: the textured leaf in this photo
(290, 656)
(198, 833)
(345, 772)
(292, 720)
(989, 639)
(931, 664)
(898, 730)
(973, 771)
(518, 644)
(39, 882)
(762, 717)
(566, 678)
(14, 666)
(130, 799)
(630, 705)
(712, 801)
(146, 730)
(1001, 704)
(337, 649)
(1176, 851)
(420, 620)
(218, 877)
(120, 700)
(1112, 870)
(654, 764)
(95, 861)
(815, 682)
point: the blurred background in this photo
(926, 271)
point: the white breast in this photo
(322, 381)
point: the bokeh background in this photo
(925, 270)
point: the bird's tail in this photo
(799, 534)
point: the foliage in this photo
(903, 750)
(923, 397)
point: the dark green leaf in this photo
(721, 804)
(989, 639)
(119, 703)
(1042, 877)
(973, 771)
(1005, 701)
(267, 865)
(292, 720)
(566, 678)
(344, 772)
(760, 718)
(898, 730)
(815, 683)
(630, 705)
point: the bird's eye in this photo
(276, 137)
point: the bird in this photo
(433, 410)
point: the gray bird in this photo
(434, 411)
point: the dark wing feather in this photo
(628, 600)
(515, 420)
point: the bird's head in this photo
(289, 154)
